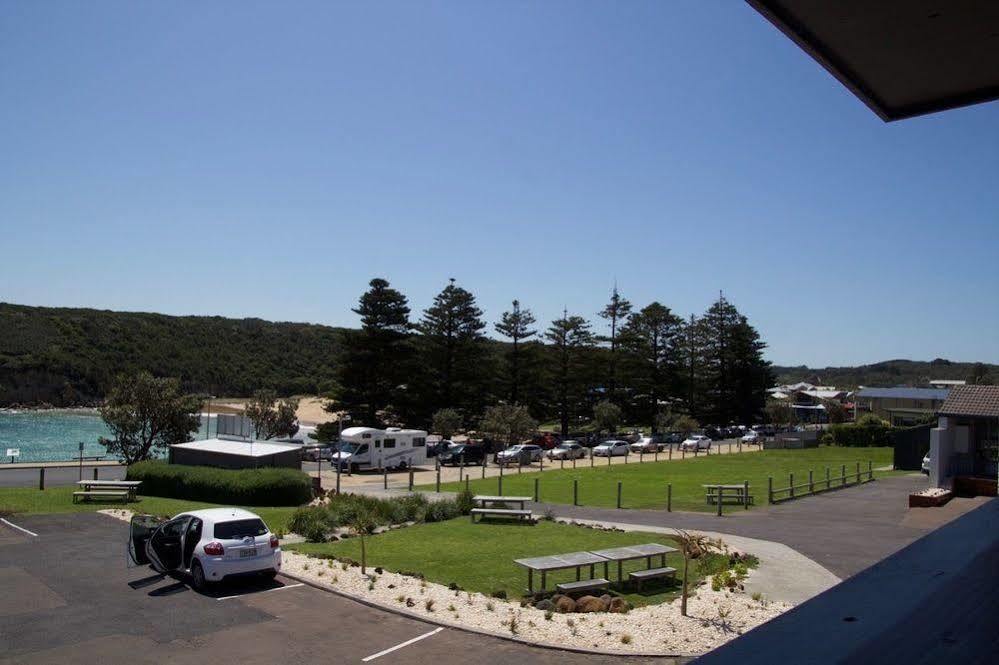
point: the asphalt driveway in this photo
(69, 598)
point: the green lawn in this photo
(479, 557)
(644, 484)
(60, 500)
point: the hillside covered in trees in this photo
(69, 357)
(890, 373)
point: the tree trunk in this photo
(364, 563)
(683, 596)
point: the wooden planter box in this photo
(922, 501)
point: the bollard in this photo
(561, 463)
(537, 492)
(575, 492)
(591, 458)
(683, 452)
(608, 458)
(573, 461)
(95, 473)
(461, 470)
(410, 480)
(484, 463)
(858, 473)
(842, 470)
(670, 451)
(669, 497)
(41, 478)
(499, 484)
(619, 495)
(655, 455)
(811, 485)
(745, 494)
(719, 501)
(438, 478)
(740, 445)
(870, 470)
(641, 456)
(770, 490)
(828, 482)
(790, 483)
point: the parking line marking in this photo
(257, 593)
(402, 644)
(19, 528)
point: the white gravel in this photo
(715, 617)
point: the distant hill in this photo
(64, 356)
(885, 373)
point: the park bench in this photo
(640, 576)
(583, 585)
(501, 512)
(101, 494)
(729, 494)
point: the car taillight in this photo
(274, 542)
(214, 549)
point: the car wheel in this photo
(269, 574)
(198, 581)
(403, 466)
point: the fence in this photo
(796, 491)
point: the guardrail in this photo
(813, 486)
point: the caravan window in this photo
(419, 442)
(366, 435)
(390, 443)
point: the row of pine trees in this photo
(653, 364)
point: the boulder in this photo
(565, 604)
(589, 604)
(544, 605)
(605, 599)
(618, 606)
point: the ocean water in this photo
(47, 436)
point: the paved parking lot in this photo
(67, 599)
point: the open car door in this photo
(165, 547)
(140, 530)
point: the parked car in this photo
(644, 445)
(696, 442)
(713, 433)
(455, 455)
(206, 545)
(522, 453)
(314, 453)
(925, 468)
(612, 448)
(546, 440)
(568, 449)
(751, 437)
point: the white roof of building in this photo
(238, 447)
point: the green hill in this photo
(885, 373)
(66, 356)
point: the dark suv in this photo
(463, 452)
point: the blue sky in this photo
(269, 159)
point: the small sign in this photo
(81, 446)
(13, 452)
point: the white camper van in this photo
(369, 448)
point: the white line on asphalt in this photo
(19, 528)
(403, 644)
(257, 593)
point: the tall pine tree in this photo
(516, 326)
(616, 313)
(376, 358)
(650, 342)
(570, 337)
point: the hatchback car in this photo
(520, 454)
(567, 450)
(696, 442)
(614, 448)
(206, 545)
(751, 437)
(463, 454)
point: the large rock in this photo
(618, 606)
(544, 605)
(565, 604)
(589, 604)
(605, 599)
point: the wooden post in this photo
(385, 477)
(641, 456)
(541, 461)
(95, 473)
(670, 454)
(740, 445)
(608, 458)
(790, 483)
(842, 470)
(811, 484)
(719, 501)
(41, 477)
(562, 463)
(485, 462)
(573, 461)
(520, 464)
(461, 468)
(828, 482)
(870, 470)
(619, 494)
(745, 494)
(770, 490)
(669, 497)
(410, 479)
(536, 491)
(575, 492)
(500, 480)
(858, 473)
(683, 452)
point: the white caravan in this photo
(369, 448)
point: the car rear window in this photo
(239, 528)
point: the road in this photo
(67, 599)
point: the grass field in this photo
(644, 485)
(479, 557)
(60, 500)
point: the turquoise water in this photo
(47, 436)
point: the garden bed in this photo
(930, 498)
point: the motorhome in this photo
(369, 448)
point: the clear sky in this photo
(268, 159)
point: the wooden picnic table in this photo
(739, 492)
(130, 486)
(545, 564)
(633, 553)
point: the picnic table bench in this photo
(632, 553)
(546, 564)
(485, 506)
(583, 585)
(578, 560)
(107, 489)
(640, 576)
(738, 494)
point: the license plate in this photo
(245, 553)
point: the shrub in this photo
(863, 434)
(465, 501)
(499, 593)
(314, 523)
(243, 487)
(441, 511)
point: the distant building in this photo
(964, 447)
(808, 401)
(946, 383)
(901, 406)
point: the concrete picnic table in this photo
(483, 499)
(131, 486)
(632, 553)
(544, 564)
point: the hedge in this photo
(243, 487)
(861, 436)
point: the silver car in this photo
(567, 450)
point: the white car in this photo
(567, 450)
(611, 449)
(206, 545)
(696, 442)
(751, 437)
(644, 445)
